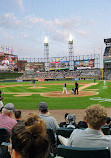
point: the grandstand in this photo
(84, 66)
(107, 59)
(58, 75)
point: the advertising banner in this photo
(58, 65)
(91, 63)
(84, 63)
(34, 66)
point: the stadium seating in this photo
(65, 132)
(110, 131)
(105, 130)
(4, 152)
(85, 73)
(53, 144)
(4, 135)
(75, 152)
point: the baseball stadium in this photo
(50, 74)
(55, 79)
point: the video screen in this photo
(8, 63)
(84, 63)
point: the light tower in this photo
(46, 54)
(71, 55)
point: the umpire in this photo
(76, 87)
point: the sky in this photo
(25, 23)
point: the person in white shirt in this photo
(5, 62)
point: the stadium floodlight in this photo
(46, 40)
(46, 54)
(70, 38)
(71, 55)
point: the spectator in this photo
(70, 121)
(63, 124)
(108, 120)
(107, 123)
(5, 118)
(1, 103)
(18, 117)
(83, 124)
(91, 137)
(29, 140)
(50, 121)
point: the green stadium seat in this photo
(109, 131)
(53, 143)
(4, 152)
(105, 130)
(76, 152)
(4, 135)
(65, 132)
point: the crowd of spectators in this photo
(60, 74)
(107, 74)
(28, 137)
(90, 73)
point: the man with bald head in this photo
(5, 118)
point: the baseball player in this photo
(64, 88)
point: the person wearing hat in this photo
(5, 118)
(44, 115)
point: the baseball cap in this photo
(9, 106)
(43, 106)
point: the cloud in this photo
(69, 23)
(25, 35)
(81, 32)
(20, 4)
(91, 21)
(8, 20)
(36, 20)
(57, 30)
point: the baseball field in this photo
(25, 96)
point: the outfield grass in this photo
(31, 102)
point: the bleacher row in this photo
(29, 75)
(56, 149)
